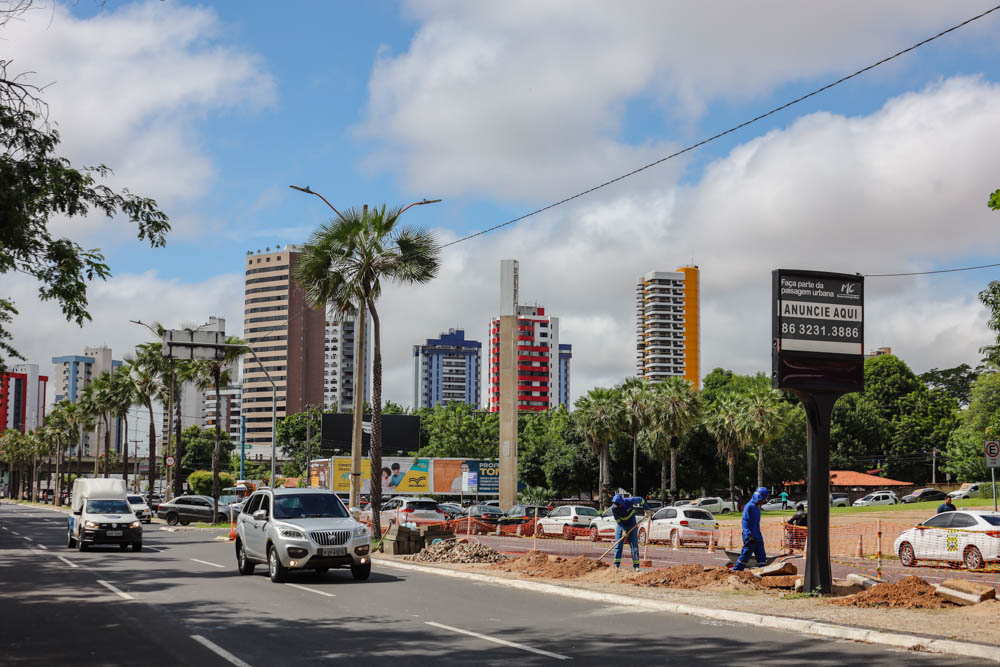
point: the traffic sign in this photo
(992, 454)
(170, 461)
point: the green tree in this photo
(200, 482)
(292, 441)
(956, 381)
(600, 416)
(636, 396)
(146, 368)
(887, 380)
(990, 297)
(857, 433)
(99, 400)
(763, 419)
(994, 201)
(122, 396)
(345, 263)
(39, 184)
(675, 407)
(458, 430)
(725, 422)
(978, 423)
(199, 450)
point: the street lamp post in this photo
(359, 366)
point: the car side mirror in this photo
(260, 515)
(78, 512)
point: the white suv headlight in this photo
(291, 532)
(135, 524)
(361, 531)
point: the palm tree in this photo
(675, 408)
(344, 264)
(63, 430)
(636, 394)
(101, 399)
(146, 373)
(764, 420)
(14, 452)
(725, 423)
(81, 416)
(122, 396)
(601, 416)
(217, 374)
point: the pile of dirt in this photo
(537, 564)
(454, 551)
(907, 593)
(692, 577)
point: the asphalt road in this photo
(181, 601)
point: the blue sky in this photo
(500, 108)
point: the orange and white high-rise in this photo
(668, 326)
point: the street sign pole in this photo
(992, 449)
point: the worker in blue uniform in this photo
(623, 511)
(753, 540)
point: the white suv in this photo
(300, 529)
(877, 498)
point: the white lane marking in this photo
(312, 590)
(42, 546)
(205, 562)
(14, 532)
(28, 538)
(67, 561)
(4, 527)
(152, 549)
(499, 641)
(117, 591)
(219, 651)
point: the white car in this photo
(715, 505)
(968, 490)
(419, 511)
(141, 509)
(563, 520)
(877, 498)
(604, 527)
(689, 524)
(968, 537)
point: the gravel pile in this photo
(536, 564)
(453, 551)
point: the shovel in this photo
(625, 536)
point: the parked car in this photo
(404, 509)
(681, 503)
(921, 495)
(185, 509)
(519, 514)
(774, 504)
(968, 537)
(484, 514)
(838, 499)
(688, 524)
(451, 510)
(153, 500)
(300, 529)
(877, 498)
(967, 490)
(140, 508)
(564, 518)
(715, 505)
(604, 527)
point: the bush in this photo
(200, 482)
(986, 491)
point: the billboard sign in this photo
(398, 475)
(399, 432)
(818, 330)
(408, 476)
(448, 473)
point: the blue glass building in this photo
(447, 370)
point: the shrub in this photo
(986, 491)
(200, 481)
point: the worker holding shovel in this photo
(753, 540)
(623, 510)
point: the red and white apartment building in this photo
(22, 398)
(542, 363)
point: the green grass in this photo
(929, 506)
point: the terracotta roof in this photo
(852, 478)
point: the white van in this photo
(102, 515)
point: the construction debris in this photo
(693, 577)
(908, 593)
(785, 581)
(861, 580)
(775, 570)
(965, 592)
(452, 551)
(536, 564)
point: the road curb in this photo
(815, 628)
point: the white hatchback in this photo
(563, 520)
(140, 508)
(968, 537)
(688, 524)
(604, 527)
(877, 498)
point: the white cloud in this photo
(128, 89)
(527, 100)
(903, 188)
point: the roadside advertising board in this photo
(406, 476)
(817, 330)
(469, 482)
(319, 472)
(992, 454)
(447, 478)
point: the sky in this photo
(213, 109)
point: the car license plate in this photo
(333, 551)
(114, 533)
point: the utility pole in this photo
(135, 477)
(933, 465)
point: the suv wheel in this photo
(243, 563)
(275, 569)
(361, 572)
(70, 542)
(172, 519)
(80, 544)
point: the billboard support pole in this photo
(993, 471)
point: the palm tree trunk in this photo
(57, 502)
(217, 454)
(34, 478)
(376, 441)
(760, 464)
(663, 477)
(152, 448)
(605, 478)
(732, 481)
(125, 449)
(79, 454)
(673, 468)
(107, 446)
(178, 445)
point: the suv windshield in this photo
(422, 505)
(135, 500)
(309, 506)
(108, 507)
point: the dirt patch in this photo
(537, 564)
(697, 577)
(908, 593)
(452, 551)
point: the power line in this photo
(723, 133)
(926, 273)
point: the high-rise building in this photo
(338, 389)
(447, 370)
(667, 325)
(289, 338)
(22, 398)
(72, 374)
(565, 354)
(229, 399)
(540, 362)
